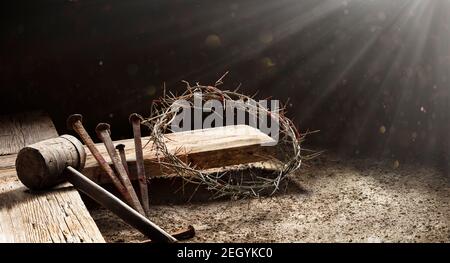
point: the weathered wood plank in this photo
(207, 148)
(51, 216)
(17, 131)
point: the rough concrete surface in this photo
(333, 199)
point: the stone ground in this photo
(334, 199)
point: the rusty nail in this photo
(104, 133)
(135, 120)
(181, 234)
(184, 233)
(74, 122)
(121, 148)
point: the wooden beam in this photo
(206, 148)
(51, 216)
(19, 130)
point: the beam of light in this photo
(412, 20)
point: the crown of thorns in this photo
(236, 181)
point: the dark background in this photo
(373, 76)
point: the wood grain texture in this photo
(17, 131)
(58, 215)
(207, 148)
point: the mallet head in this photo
(42, 165)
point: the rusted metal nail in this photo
(184, 233)
(135, 120)
(74, 122)
(104, 133)
(121, 148)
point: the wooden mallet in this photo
(48, 163)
